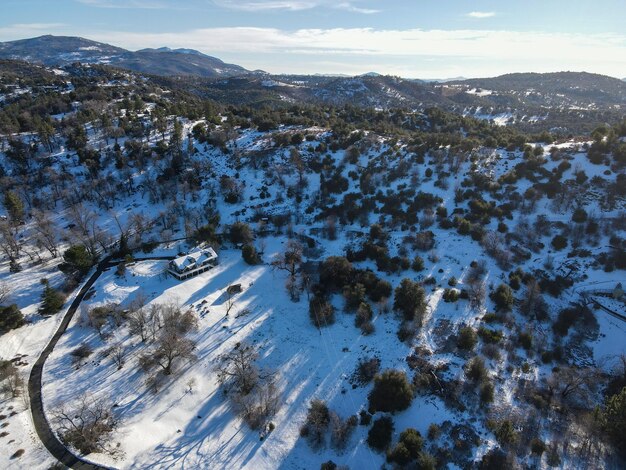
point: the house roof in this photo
(194, 258)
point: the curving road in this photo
(44, 431)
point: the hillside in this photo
(63, 50)
(391, 287)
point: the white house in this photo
(193, 263)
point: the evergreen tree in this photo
(10, 318)
(410, 300)
(14, 206)
(77, 260)
(51, 300)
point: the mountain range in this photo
(64, 50)
(570, 100)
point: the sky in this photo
(409, 38)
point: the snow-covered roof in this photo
(195, 258)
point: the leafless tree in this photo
(86, 427)
(533, 303)
(572, 384)
(172, 343)
(118, 354)
(171, 346)
(253, 391)
(237, 369)
(10, 243)
(11, 380)
(139, 322)
(289, 260)
(5, 292)
(45, 233)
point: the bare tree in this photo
(533, 303)
(289, 260)
(118, 354)
(10, 244)
(172, 343)
(139, 323)
(253, 392)
(573, 384)
(11, 380)
(237, 369)
(45, 233)
(170, 347)
(5, 292)
(86, 427)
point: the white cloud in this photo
(468, 52)
(481, 14)
(291, 5)
(412, 52)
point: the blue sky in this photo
(411, 38)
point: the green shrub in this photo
(10, 318)
(450, 295)
(503, 297)
(537, 446)
(475, 369)
(525, 340)
(559, 242)
(392, 392)
(321, 312)
(467, 338)
(250, 255)
(490, 336)
(379, 436)
(486, 393)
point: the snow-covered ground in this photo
(193, 426)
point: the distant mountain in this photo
(63, 50)
(565, 89)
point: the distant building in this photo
(193, 263)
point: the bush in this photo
(321, 312)
(434, 431)
(379, 436)
(240, 232)
(418, 264)
(579, 216)
(496, 459)
(410, 300)
(525, 339)
(316, 424)
(475, 369)
(486, 393)
(450, 295)
(467, 338)
(490, 336)
(503, 297)
(363, 315)
(413, 442)
(392, 392)
(505, 433)
(77, 260)
(10, 318)
(250, 255)
(559, 242)
(537, 446)
(335, 272)
(366, 370)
